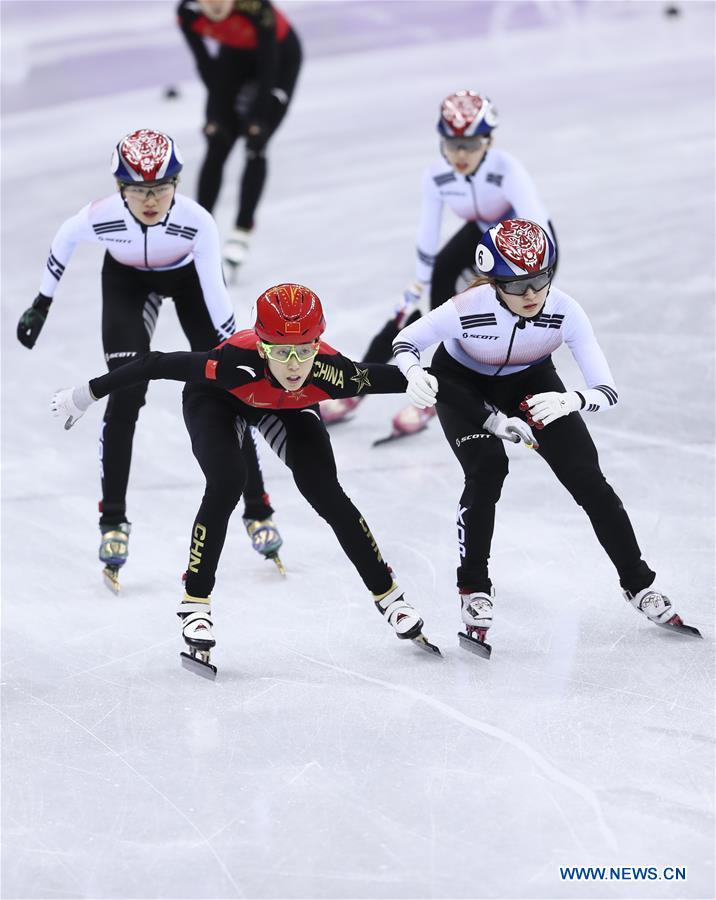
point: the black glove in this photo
(32, 320)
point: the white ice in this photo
(328, 760)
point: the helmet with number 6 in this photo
(465, 114)
(289, 314)
(514, 249)
(146, 157)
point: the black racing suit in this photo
(221, 401)
(250, 83)
(131, 299)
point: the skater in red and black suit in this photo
(273, 377)
(250, 82)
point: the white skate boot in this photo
(476, 609)
(236, 250)
(333, 411)
(409, 421)
(113, 552)
(196, 629)
(658, 609)
(403, 618)
(266, 540)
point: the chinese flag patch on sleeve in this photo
(210, 370)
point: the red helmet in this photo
(289, 314)
(466, 113)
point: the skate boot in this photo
(658, 609)
(407, 422)
(333, 411)
(113, 552)
(196, 629)
(403, 618)
(476, 608)
(236, 250)
(266, 540)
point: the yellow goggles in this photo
(283, 352)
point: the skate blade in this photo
(479, 648)
(424, 644)
(398, 435)
(110, 574)
(275, 558)
(680, 628)
(195, 663)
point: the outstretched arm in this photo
(72, 403)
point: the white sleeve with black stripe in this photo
(439, 325)
(70, 233)
(207, 259)
(431, 211)
(579, 336)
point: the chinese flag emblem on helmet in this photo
(289, 314)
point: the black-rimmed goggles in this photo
(468, 144)
(520, 286)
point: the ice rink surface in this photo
(328, 760)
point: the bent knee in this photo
(224, 492)
(486, 479)
(591, 489)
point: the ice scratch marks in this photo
(153, 787)
(545, 767)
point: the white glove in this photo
(422, 387)
(552, 405)
(72, 402)
(513, 429)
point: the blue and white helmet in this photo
(465, 114)
(515, 248)
(146, 156)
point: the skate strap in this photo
(477, 601)
(395, 609)
(263, 534)
(195, 617)
(115, 537)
